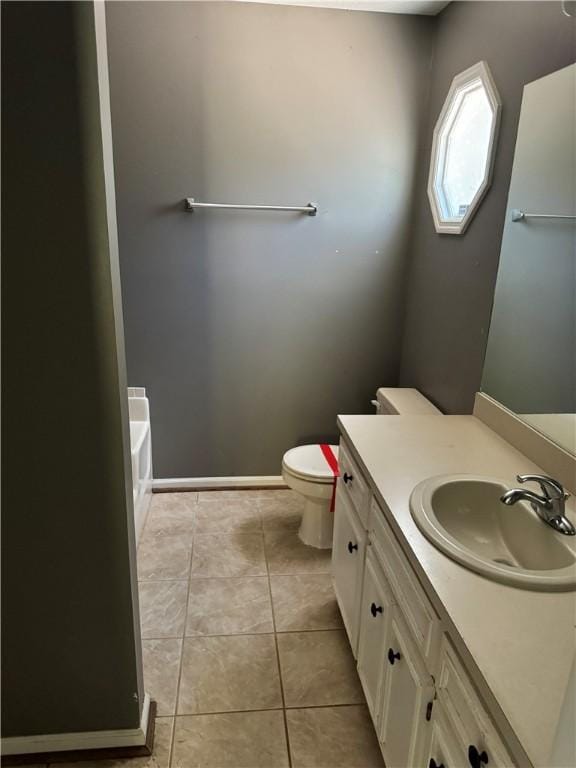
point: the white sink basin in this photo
(462, 515)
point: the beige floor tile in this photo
(164, 557)
(333, 737)
(224, 674)
(282, 512)
(229, 606)
(227, 495)
(238, 516)
(304, 602)
(160, 757)
(278, 519)
(318, 669)
(162, 608)
(286, 554)
(235, 740)
(237, 554)
(282, 497)
(174, 500)
(171, 514)
(161, 669)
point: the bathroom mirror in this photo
(463, 149)
(530, 364)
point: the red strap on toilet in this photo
(333, 464)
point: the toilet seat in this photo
(307, 462)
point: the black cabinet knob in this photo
(347, 478)
(475, 758)
(434, 764)
(352, 547)
(375, 609)
(392, 657)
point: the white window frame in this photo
(465, 81)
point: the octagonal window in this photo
(463, 149)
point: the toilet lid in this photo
(308, 462)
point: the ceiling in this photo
(425, 7)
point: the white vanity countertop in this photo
(520, 642)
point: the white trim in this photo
(424, 7)
(175, 483)
(481, 72)
(105, 116)
(66, 742)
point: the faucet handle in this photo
(551, 488)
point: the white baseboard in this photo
(207, 483)
(66, 742)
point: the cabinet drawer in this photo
(465, 712)
(352, 483)
(417, 609)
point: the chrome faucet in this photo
(550, 507)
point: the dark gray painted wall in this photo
(452, 278)
(69, 658)
(531, 355)
(252, 331)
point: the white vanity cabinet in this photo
(477, 742)
(348, 546)
(375, 622)
(353, 485)
(443, 750)
(407, 699)
(417, 610)
(423, 705)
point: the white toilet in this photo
(306, 470)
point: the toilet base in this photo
(317, 524)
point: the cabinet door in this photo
(375, 610)
(408, 690)
(416, 608)
(443, 750)
(477, 741)
(348, 564)
(477, 746)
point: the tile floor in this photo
(244, 649)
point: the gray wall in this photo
(531, 355)
(252, 331)
(69, 642)
(452, 278)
